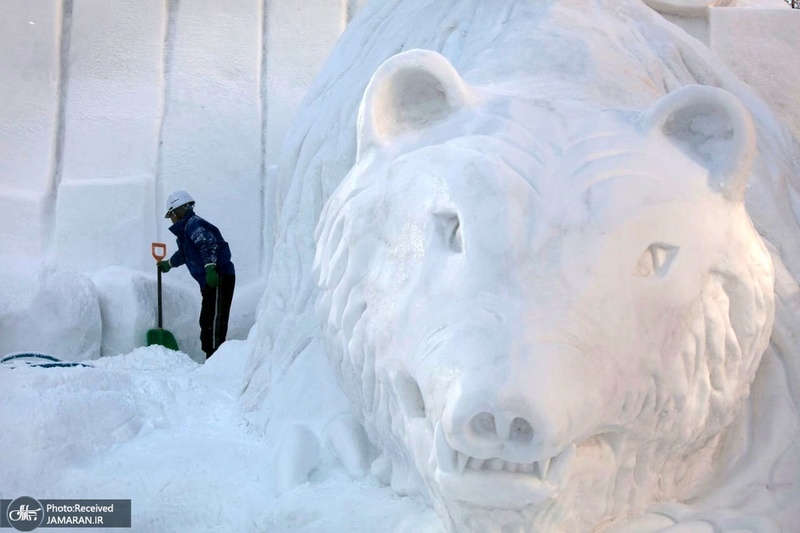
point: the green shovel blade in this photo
(162, 337)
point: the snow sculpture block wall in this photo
(28, 121)
(120, 218)
(768, 62)
(194, 95)
(536, 275)
(109, 106)
(113, 97)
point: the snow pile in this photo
(77, 316)
(129, 307)
(48, 309)
(155, 427)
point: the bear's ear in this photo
(409, 91)
(712, 127)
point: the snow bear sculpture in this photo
(530, 311)
(535, 274)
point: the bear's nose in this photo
(499, 426)
(494, 422)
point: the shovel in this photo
(160, 336)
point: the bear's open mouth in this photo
(495, 482)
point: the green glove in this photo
(212, 278)
(164, 266)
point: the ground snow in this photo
(158, 428)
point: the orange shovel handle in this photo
(159, 251)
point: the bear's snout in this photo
(493, 420)
(486, 427)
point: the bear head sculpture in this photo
(546, 313)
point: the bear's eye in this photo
(656, 259)
(449, 229)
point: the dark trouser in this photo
(214, 313)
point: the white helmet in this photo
(176, 200)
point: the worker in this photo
(208, 257)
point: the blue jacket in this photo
(200, 243)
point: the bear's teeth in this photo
(544, 466)
(445, 455)
(475, 464)
(462, 462)
(560, 462)
(495, 463)
(538, 469)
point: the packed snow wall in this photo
(109, 106)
